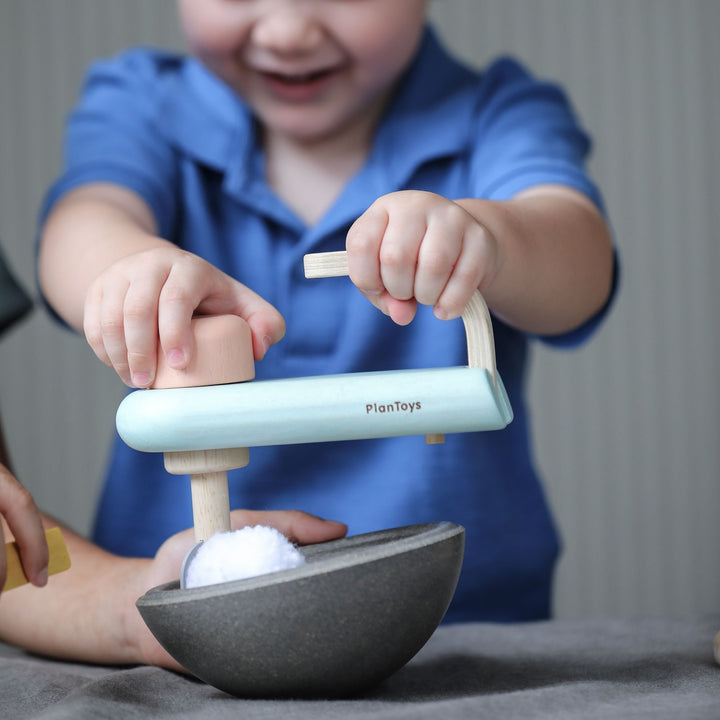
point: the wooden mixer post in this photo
(223, 354)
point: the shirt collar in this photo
(430, 116)
(205, 118)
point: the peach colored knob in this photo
(223, 354)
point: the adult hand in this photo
(299, 527)
(18, 509)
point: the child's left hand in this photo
(414, 247)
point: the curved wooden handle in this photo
(475, 317)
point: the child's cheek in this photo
(211, 28)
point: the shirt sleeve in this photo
(528, 135)
(115, 134)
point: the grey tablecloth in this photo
(646, 668)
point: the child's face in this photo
(309, 68)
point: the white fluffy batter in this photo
(241, 554)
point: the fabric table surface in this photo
(657, 668)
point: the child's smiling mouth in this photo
(299, 79)
(298, 87)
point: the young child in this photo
(196, 185)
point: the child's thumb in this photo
(266, 323)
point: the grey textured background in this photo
(626, 429)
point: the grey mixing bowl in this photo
(356, 612)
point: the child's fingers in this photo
(437, 257)
(141, 325)
(196, 286)
(399, 253)
(174, 330)
(401, 312)
(193, 286)
(226, 295)
(266, 323)
(363, 250)
(112, 325)
(103, 323)
(23, 518)
(473, 264)
(91, 323)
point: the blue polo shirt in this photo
(163, 126)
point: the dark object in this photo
(354, 614)
(14, 301)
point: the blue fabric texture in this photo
(163, 126)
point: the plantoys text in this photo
(397, 406)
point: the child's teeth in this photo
(298, 79)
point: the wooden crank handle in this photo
(475, 317)
(223, 354)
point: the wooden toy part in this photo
(223, 354)
(59, 559)
(475, 317)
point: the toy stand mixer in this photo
(361, 606)
(206, 430)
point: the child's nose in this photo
(287, 29)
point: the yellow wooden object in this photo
(59, 559)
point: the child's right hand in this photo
(151, 296)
